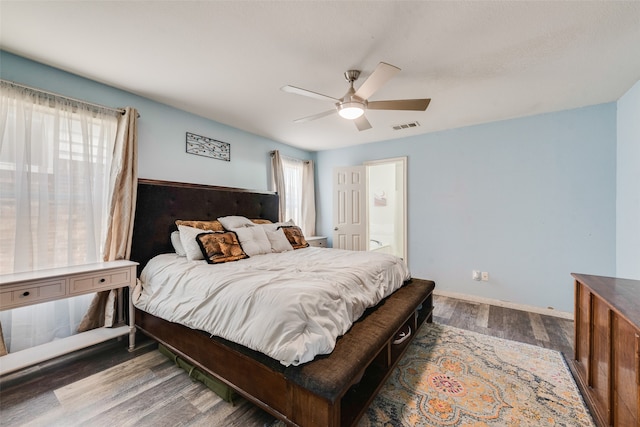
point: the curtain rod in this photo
(68, 98)
(273, 153)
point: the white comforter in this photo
(290, 306)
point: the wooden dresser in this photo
(606, 364)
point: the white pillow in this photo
(189, 242)
(277, 238)
(177, 244)
(253, 240)
(230, 222)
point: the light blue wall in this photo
(161, 131)
(528, 200)
(628, 186)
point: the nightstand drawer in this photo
(317, 241)
(100, 281)
(32, 294)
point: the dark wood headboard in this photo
(160, 203)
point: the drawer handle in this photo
(26, 293)
(103, 280)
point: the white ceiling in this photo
(226, 60)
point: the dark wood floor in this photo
(97, 389)
(545, 331)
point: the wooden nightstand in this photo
(318, 241)
(34, 287)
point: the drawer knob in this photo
(26, 293)
(103, 280)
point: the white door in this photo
(349, 208)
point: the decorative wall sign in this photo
(207, 147)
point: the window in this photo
(55, 159)
(54, 177)
(293, 180)
(293, 169)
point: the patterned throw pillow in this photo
(202, 225)
(261, 221)
(220, 247)
(295, 236)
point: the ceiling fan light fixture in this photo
(350, 110)
(354, 103)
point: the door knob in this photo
(335, 229)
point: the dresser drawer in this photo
(32, 294)
(100, 281)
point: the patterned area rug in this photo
(454, 377)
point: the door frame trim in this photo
(405, 161)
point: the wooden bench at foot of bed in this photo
(332, 390)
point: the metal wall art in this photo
(207, 147)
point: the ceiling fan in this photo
(353, 104)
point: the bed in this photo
(332, 389)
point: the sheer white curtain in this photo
(292, 172)
(55, 157)
(293, 179)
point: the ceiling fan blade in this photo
(305, 92)
(376, 80)
(315, 116)
(400, 104)
(362, 123)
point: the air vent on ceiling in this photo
(406, 126)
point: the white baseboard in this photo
(507, 304)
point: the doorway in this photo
(387, 206)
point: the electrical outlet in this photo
(485, 276)
(476, 275)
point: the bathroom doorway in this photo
(387, 206)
